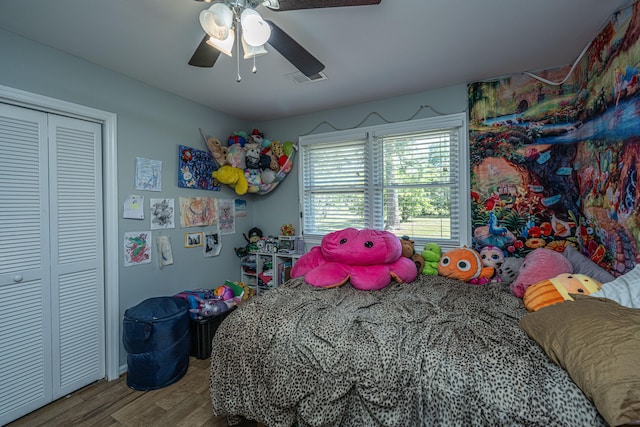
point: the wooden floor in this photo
(184, 403)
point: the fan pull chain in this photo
(238, 79)
(254, 69)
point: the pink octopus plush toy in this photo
(368, 258)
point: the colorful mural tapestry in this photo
(558, 164)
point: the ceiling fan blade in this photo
(317, 4)
(204, 55)
(293, 52)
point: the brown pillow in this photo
(597, 341)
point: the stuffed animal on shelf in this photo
(369, 259)
(558, 289)
(232, 176)
(539, 264)
(465, 264)
(408, 250)
(431, 255)
(253, 237)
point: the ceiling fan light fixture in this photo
(252, 51)
(217, 21)
(225, 46)
(255, 31)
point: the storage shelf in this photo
(265, 270)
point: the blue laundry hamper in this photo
(156, 337)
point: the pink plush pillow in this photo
(540, 264)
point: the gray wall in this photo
(152, 123)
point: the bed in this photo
(434, 352)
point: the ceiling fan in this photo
(206, 54)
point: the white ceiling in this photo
(370, 52)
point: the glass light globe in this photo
(255, 31)
(217, 20)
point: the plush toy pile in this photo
(205, 303)
(251, 163)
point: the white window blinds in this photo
(407, 178)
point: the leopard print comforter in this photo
(435, 352)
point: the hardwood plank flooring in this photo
(184, 403)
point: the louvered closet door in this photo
(51, 259)
(75, 169)
(25, 309)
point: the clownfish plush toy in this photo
(465, 264)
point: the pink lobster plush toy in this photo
(368, 258)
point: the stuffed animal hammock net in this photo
(251, 163)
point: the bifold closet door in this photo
(51, 267)
(25, 309)
(77, 276)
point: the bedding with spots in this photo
(435, 352)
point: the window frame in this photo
(450, 121)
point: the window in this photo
(410, 178)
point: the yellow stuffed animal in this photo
(558, 289)
(232, 176)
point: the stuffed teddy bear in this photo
(232, 176)
(539, 264)
(218, 152)
(431, 255)
(408, 250)
(509, 270)
(558, 289)
(465, 264)
(369, 259)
